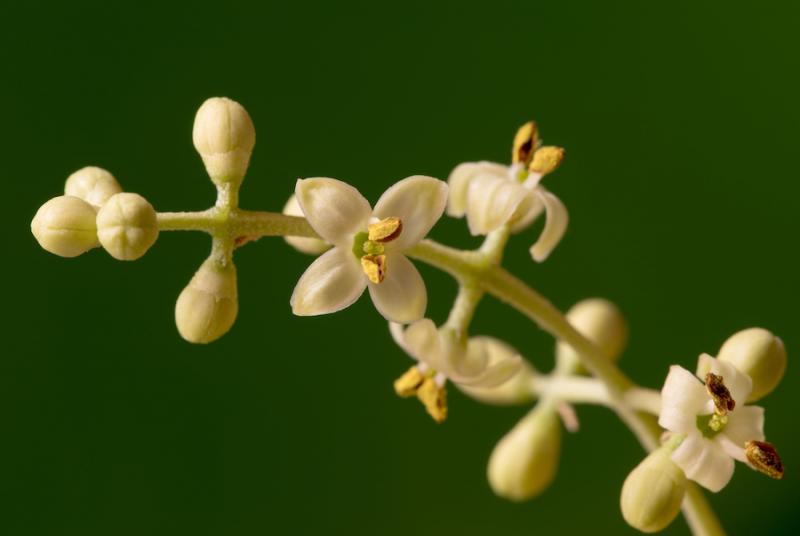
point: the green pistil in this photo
(362, 245)
(711, 425)
(522, 175)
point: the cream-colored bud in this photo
(66, 226)
(652, 494)
(224, 136)
(759, 354)
(310, 246)
(92, 184)
(525, 461)
(127, 226)
(601, 322)
(207, 307)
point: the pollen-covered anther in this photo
(546, 160)
(525, 142)
(764, 458)
(374, 267)
(407, 385)
(385, 230)
(434, 398)
(723, 401)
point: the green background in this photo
(681, 128)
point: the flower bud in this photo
(601, 322)
(652, 494)
(127, 226)
(92, 184)
(224, 136)
(759, 354)
(525, 461)
(207, 307)
(66, 226)
(310, 246)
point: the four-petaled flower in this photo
(368, 246)
(718, 427)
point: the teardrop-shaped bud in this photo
(127, 226)
(66, 226)
(207, 307)
(653, 492)
(92, 184)
(525, 461)
(759, 354)
(601, 322)
(224, 136)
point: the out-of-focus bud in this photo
(127, 226)
(759, 354)
(601, 322)
(516, 390)
(66, 226)
(652, 494)
(224, 136)
(92, 184)
(207, 307)
(310, 246)
(525, 461)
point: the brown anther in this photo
(434, 398)
(723, 401)
(385, 230)
(374, 267)
(407, 384)
(546, 160)
(525, 142)
(763, 457)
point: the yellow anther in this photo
(525, 143)
(723, 401)
(763, 457)
(434, 398)
(546, 160)
(407, 384)
(374, 266)
(385, 230)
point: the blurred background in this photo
(680, 126)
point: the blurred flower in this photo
(369, 246)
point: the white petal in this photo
(744, 424)
(738, 383)
(419, 202)
(730, 448)
(335, 210)
(423, 342)
(704, 461)
(492, 201)
(493, 375)
(332, 282)
(683, 398)
(554, 227)
(310, 246)
(459, 181)
(401, 296)
(526, 213)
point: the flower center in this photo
(711, 425)
(368, 246)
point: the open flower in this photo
(368, 246)
(717, 426)
(441, 356)
(492, 195)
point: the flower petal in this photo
(738, 383)
(492, 201)
(744, 424)
(335, 210)
(421, 340)
(526, 213)
(554, 227)
(704, 461)
(683, 398)
(332, 282)
(493, 375)
(419, 202)
(459, 181)
(310, 246)
(401, 296)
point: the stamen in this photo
(723, 401)
(546, 160)
(374, 266)
(525, 143)
(434, 398)
(407, 384)
(763, 457)
(385, 230)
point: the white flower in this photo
(717, 425)
(492, 195)
(368, 246)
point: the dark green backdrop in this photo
(681, 128)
